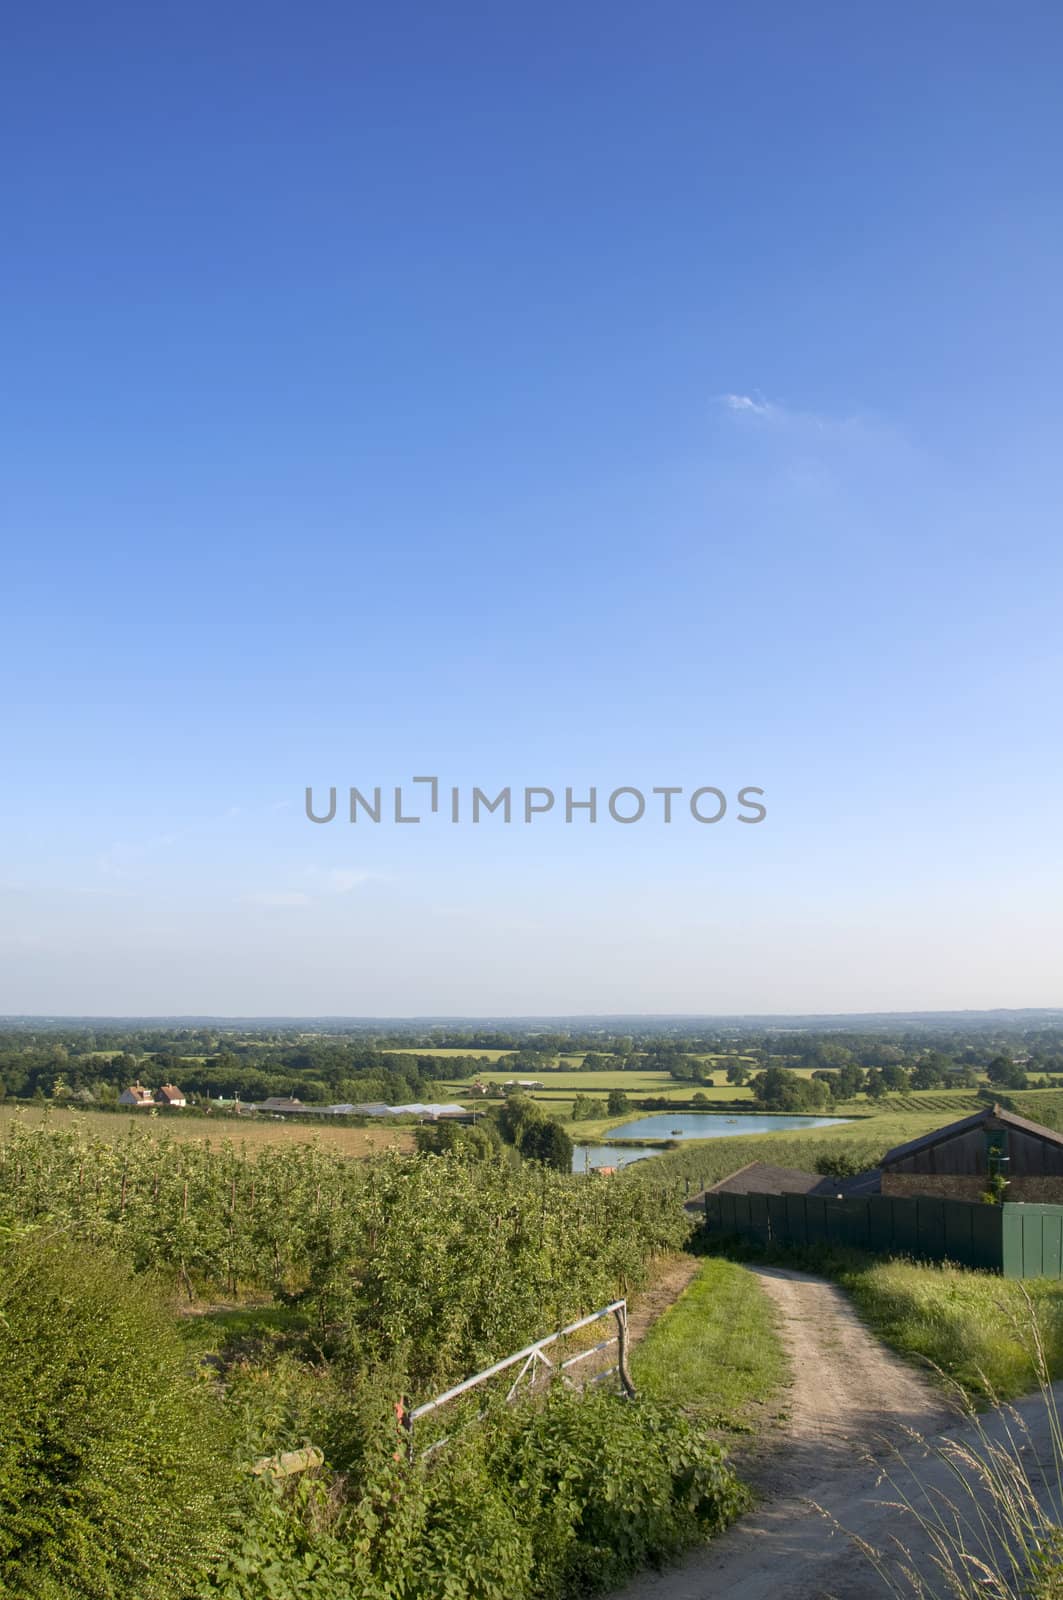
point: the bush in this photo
(556, 1495)
(115, 1463)
(841, 1165)
(620, 1486)
(549, 1499)
(547, 1142)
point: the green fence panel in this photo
(958, 1231)
(1033, 1240)
(816, 1220)
(1052, 1241)
(987, 1237)
(931, 1228)
(1011, 1244)
(777, 1219)
(880, 1224)
(1032, 1253)
(758, 1216)
(907, 1239)
(796, 1219)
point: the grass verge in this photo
(716, 1352)
(973, 1326)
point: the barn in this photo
(968, 1158)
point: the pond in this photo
(686, 1125)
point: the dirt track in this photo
(849, 1391)
(850, 1397)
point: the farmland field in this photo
(445, 1051)
(953, 1103)
(112, 1126)
(597, 1083)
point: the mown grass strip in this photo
(716, 1352)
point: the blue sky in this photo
(600, 395)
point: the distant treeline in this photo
(317, 1072)
(323, 1066)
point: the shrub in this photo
(841, 1165)
(553, 1498)
(115, 1464)
(547, 1142)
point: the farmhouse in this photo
(966, 1159)
(137, 1095)
(168, 1095)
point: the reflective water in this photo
(687, 1125)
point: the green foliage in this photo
(841, 1164)
(446, 1260)
(783, 1090)
(514, 1115)
(1045, 1580)
(610, 1487)
(618, 1103)
(1006, 1073)
(547, 1141)
(555, 1498)
(476, 1142)
(539, 1137)
(996, 1190)
(114, 1457)
(282, 1546)
(452, 1264)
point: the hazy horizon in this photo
(439, 1019)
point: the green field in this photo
(425, 1050)
(240, 1131)
(950, 1103)
(659, 1085)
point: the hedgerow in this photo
(115, 1463)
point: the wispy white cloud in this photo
(754, 405)
(791, 420)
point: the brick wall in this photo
(1044, 1191)
(950, 1186)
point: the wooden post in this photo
(621, 1360)
(405, 1421)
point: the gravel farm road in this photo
(851, 1399)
